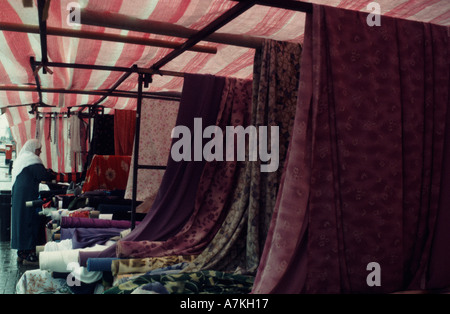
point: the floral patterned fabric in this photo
(214, 189)
(240, 239)
(143, 265)
(38, 281)
(158, 118)
(189, 283)
(362, 179)
(107, 173)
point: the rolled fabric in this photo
(87, 237)
(100, 264)
(78, 222)
(58, 261)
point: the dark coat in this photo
(25, 220)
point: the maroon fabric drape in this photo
(365, 165)
(124, 128)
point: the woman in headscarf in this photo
(28, 171)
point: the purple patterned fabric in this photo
(364, 169)
(214, 189)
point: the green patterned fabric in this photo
(208, 281)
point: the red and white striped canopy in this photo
(16, 48)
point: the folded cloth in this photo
(88, 237)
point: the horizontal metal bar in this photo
(126, 94)
(222, 20)
(109, 68)
(63, 32)
(152, 167)
(121, 21)
(292, 5)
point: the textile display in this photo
(102, 143)
(207, 281)
(100, 264)
(87, 237)
(239, 241)
(124, 129)
(166, 270)
(37, 281)
(54, 134)
(158, 117)
(61, 260)
(107, 172)
(57, 261)
(77, 222)
(174, 202)
(214, 189)
(362, 181)
(78, 141)
(143, 265)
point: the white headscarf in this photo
(26, 157)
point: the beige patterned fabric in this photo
(143, 265)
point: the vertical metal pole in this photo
(43, 32)
(136, 150)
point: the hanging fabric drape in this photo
(174, 202)
(158, 117)
(213, 193)
(102, 142)
(363, 177)
(124, 127)
(240, 239)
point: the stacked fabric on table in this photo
(86, 232)
(60, 273)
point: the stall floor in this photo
(10, 270)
